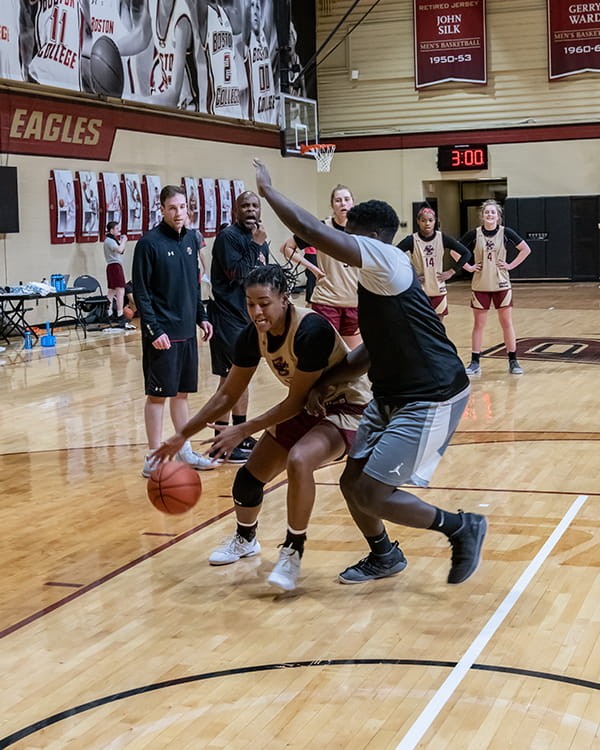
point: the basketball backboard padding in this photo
(299, 124)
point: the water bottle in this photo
(28, 340)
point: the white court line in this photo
(435, 705)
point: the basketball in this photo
(128, 313)
(106, 67)
(174, 487)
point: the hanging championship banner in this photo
(449, 42)
(573, 38)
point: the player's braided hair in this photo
(279, 278)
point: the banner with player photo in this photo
(573, 38)
(449, 42)
(222, 59)
(63, 212)
(88, 215)
(151, 186)
(190, 185)
(225, 202)
(111, 200)
(134, 207)
(208, 207)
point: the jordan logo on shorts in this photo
(397, 470)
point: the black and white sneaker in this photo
(473, 368)
(373, 566)
(241, 453)
(466, 546)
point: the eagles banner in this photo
(450, 42)
(573, 38)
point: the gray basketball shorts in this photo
(404, 444)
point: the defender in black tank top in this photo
(419, 384)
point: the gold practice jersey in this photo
(428, 260)
(339, 287)
(283, 363)
(488, 251)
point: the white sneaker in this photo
(473, 368)
(286, 571)
(196, 460)
(234, 549)
(149, 464)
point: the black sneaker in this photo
(248, 444)
(466, 546)
(241, 453)
(237, 456)
(375, 566)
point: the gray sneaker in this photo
(514, 367)
(286, 571)
(233, 549)
(473, 368)
(375, 566)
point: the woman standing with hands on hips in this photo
(491, 281)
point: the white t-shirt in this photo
(385, 270)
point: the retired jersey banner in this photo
(450, 43)
(573, 38)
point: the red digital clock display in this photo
(458, 158)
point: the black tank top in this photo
(412, 359)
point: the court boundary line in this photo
(443, 694)
(68, 713)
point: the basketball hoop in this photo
(323, 153)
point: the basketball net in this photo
(322, 152)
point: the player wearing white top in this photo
(220, 25)
(263, 98)
(173, 81)
(58, 29)
(119, 20)
(10, 59)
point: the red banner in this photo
(573, 38)
(449, 42)
(45, 127)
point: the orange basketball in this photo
(128, 313)
(174, 487)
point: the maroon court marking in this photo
(123, 568)
(64, 583)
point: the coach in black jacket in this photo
(166, 289)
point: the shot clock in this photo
(459, 158)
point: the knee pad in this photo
(247, 490)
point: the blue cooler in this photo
(57, 280)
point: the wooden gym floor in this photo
(116, 633)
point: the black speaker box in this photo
(9, 200)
